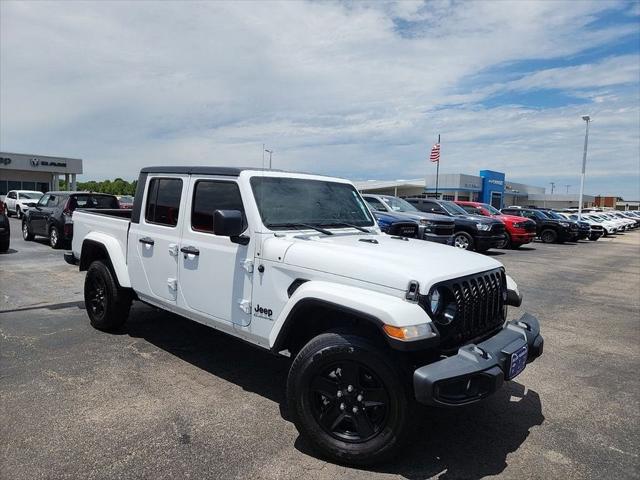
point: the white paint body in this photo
(223, 287)
(20, 201)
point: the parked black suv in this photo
(584, 229)
(51, 217)
(549, 230)
(472, 232)
(5, 228)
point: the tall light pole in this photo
(567, 188)
(270, 152)
(587, 119)
(553, 187)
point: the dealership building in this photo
(19, 171)
(487, 187)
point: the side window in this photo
(11, 195)
(44, 200)
(53, 201)
(435, 208)
(163, 201)
(212, 195)
(375, 204)
(471, 209)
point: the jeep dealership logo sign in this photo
(5, 161)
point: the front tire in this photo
(19, 212)
(347, 398)
(548, 236)
(27, 235)
(4, 244)
(506, 244)
(107, 304)
(54, 238)
(463, 241)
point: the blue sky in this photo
(354, 89)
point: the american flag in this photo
(435, 153)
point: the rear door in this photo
(214, 273)
(10, 200)
(153, 242)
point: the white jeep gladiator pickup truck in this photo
(295, 264)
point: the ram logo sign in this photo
(35, 162)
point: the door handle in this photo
(190, 251)
(146, 240)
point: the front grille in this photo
(479, 301)
(497, 228)
(530, 226)
(404, 229)
(444, 229)
(597, 228)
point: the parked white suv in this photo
(296, 264)
(19, 201)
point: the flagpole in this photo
(437, 168)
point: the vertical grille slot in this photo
(479, 307)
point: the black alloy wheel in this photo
(349, 402)
(95, 296)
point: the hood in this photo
(478, 218)
(389, 262)
(512, 218)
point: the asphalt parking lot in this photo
(169, 398)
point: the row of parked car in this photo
(479, 226)
(462, 224)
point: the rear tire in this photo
(369, 419)
(18, 212)
(107, 304)
(548, 236)
(4, 244)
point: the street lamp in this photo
(270, 152)
(587, 119)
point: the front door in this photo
(153, 242)
(214, 273)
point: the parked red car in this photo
(520, 230)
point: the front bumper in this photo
(483, 242)
(444, 239)
(477, 371)
(522, 238)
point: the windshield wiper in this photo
(299, 225)
(344, 224)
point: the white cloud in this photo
(358, 89)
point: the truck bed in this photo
(93, 222)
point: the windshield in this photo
(92, 201)
(452, 208)
(126, 199)
(284, 202)
(492, 210)
(398, 205)
(29, 195)
(554, 215)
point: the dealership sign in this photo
(36, 162)
(5, 161)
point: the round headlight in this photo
(435, 301)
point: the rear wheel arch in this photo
(92, 251)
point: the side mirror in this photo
(228, 223)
